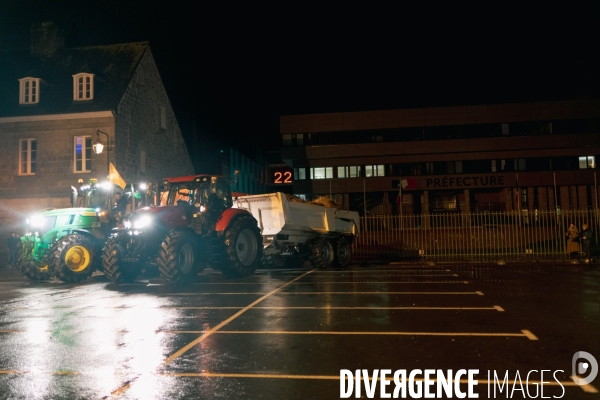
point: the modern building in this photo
(57, 103)
(494, 157)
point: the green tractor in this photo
(67, 243)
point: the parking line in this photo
(586, 388)
(323, 282)
(496, 308)
(269, 293)
(208, 333)
(527, 335)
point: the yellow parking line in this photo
(270, 293)
(496, 308)
(329, 282)
(485, 334)
(586, 388)
(206, 334)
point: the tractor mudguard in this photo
(228, 216)
(95, 232)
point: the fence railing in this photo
(506, 234)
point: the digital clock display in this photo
(282, 176)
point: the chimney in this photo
(46, 38)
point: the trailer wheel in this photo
(343, 253)
(74, 258)
(321, 253)
(176, 258)
(34, 270)
(242, 248)
(114, 268)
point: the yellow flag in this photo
(115, 177)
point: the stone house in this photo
(57, 102)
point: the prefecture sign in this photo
(462, 181)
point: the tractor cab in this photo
(202, 193)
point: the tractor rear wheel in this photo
(177, 258)
(242, 248)
(34, 270)
(321, 253)
(113, 265)
(75, 258)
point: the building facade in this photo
(56, 103)
(496, 157)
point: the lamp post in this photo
(98, 147)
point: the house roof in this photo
(112, 65)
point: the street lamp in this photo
(98, 147)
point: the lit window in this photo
(321, 173)
(587, 162)
(30, 91)
(83, 87)
(27, 156)
(287, 140)
(429, 168)
(341, 172)
(83, 154)
(374, 170)
(352, 171)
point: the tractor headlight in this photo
(142, 222)
(36, 221)
(127, 224)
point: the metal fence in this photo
(509, 234)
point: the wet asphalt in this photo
(286, 334)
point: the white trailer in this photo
(294, 232)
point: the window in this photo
(321, 173)
(374, 170)
(505, 129)
(429, 168)
(27, 156)
(587, 162)
(83, 154)
(519, 164)
(30, 91)
(352, 171)
(163, 117)
(498, 165)
(83, 87)
(300, 173)
(454, 167)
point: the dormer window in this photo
(83, 87)
(30, 91)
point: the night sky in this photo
(231, 71)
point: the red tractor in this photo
(194, 227)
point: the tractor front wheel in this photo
(75, 258)
(113, 265)
(176, 258)
(34, 270)
(243, 249)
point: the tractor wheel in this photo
(321, 253)
(75, 258)
(34, 270)
(114, 268)
(343, 253)
(242, 244)
(273, 261)
(176, 258)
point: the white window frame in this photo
(83, 87)
(86, 139)
(27, 157)
(29, 92)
